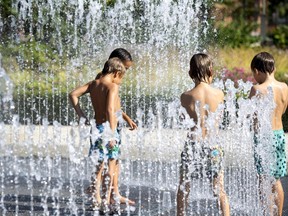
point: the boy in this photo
(94, 188)
(263, 68)
(106, 104)
(202, 94)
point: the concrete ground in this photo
(25, 196)
(19, 199)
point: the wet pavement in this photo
(22, 196)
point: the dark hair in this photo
(113, 65)
(263, 62)
(122, 54)
(199, 67)
(98, 76)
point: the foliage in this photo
(280, 36)
(237, 74)
(241, 57)
(235, 23)
(237, 34)
(30, 54)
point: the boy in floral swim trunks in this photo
(106, 104)
(263, 68)
(195, 152)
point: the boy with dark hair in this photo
(263, 68)
(202, 95)
(94, 188)
(104, 94)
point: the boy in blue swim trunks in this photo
(263, 68)
(106, 104)
(94, 188)
(196, 150)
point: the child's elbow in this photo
(71, 96)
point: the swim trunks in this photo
(98, 145)
(198, 161)
(279, 168)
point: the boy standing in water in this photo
(94, 188)
(202, 94)
(263, 68)
(106, 104)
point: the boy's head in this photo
(200, 67)
(123, 55)
(114, 66)
(263, 62)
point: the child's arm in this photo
(253, 92)
(111, 110)
(74, 98)
(129, 121)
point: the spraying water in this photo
(44, 164)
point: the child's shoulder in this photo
(282, 85)
(217, 91)
(112, 86)
(187, 94)
(187, 97)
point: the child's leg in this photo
(218, 187)
(116, 187)
(107, 181)
(279, 196)
(182, 193)
(266, 196)
(94, 188)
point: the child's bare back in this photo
(200, 101)
(280, 93)
(263, 68)
(99, 90)
(204, 94)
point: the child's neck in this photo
(204, 82)
(268, 78)
(108, 78)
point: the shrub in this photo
(237, 74)
(237, 34)
(280, 36)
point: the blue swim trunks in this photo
(101, 148)
(279, 168)
(197, 161)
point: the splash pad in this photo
(44, 164)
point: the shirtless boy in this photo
(202, 94)
(263, 68)
(106, 104)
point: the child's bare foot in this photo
(124, 200)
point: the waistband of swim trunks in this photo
(278, 132)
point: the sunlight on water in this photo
(44, 164)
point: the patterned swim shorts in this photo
(279, 167)
(198, 160)
(100, 147)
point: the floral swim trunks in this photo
(279, 168)
(199, 161)
(99, 147)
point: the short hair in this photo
(200, 67)
(122, 54)
(113, 65)
(263, 62)
(98, 76)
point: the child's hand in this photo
(132, 125)
(111, 144)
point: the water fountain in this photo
(44, 164)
